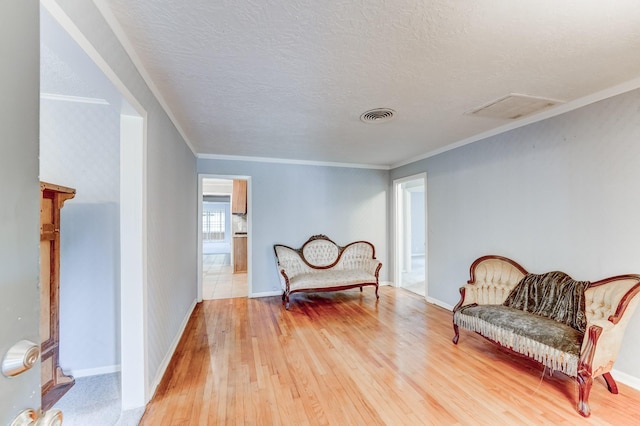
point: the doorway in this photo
(93, 139)
(411, 235)
(223, 237)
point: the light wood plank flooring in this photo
(344, 358)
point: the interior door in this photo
(20, 193)
(411, 243)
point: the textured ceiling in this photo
(289, 79)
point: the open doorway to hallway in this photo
(411, 235)
(223, 238)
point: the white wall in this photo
(559, 194)
(171, 203)
(290, 203)
(20, 191)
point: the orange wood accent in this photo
(239, 254)
(239, 197)
(341, 358)
(54, 383)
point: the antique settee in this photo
(575, 327)
(322, 265)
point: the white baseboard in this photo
(266, 294)
(439, 303)
(627, 379)
(85, 372)
(167, 358)
(383, 283)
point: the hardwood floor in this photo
(344, 358)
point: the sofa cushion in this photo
(327, 278)
(549, 342)
(554, 295)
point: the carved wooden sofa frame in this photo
(609, 305)
(322, 265)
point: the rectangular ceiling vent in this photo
(514, 106)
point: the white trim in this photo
(69, 98)
(201, 177)
(111, 20)
(385, 283)
(265, 294)
(74, 32)
(543, 115)
(133, 262)
(396, 210)
(290, 161)
(86, 372)
(439, 303)
(627, 379)
(174, 345)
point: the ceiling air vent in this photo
(377, 115)
(514, 106)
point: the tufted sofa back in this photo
(603, 297)
(493, 277)
(319, 252)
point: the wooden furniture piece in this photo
(53, 381)
(239, 197)
(239, 254)
(322, 265)
(543, 327)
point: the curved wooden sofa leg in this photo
(585, 382)
(286, 302)
(360, 289)
(611, 384)
(457, 334)
(377, 296)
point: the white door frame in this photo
(135, 389)
(400, 216)
(201, 178)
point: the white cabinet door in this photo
(19, 197)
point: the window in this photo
(213, 225)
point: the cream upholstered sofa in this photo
(322, 265)
(608, 306)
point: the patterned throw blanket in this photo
(542, 318)
(554, 295)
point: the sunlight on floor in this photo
(219, 281)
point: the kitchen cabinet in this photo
(239, 254)
(54, 383)
(239, 197)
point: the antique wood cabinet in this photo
(239, 197)
(53, 381)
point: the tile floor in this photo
(414, 280)
(219, 281)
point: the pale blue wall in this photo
(171, 198)
(559, 194)
(79, 148)
(290, 203)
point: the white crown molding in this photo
(111, 20)
(543, 115)
(289, 161)
(68, 98)
(74, 32)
